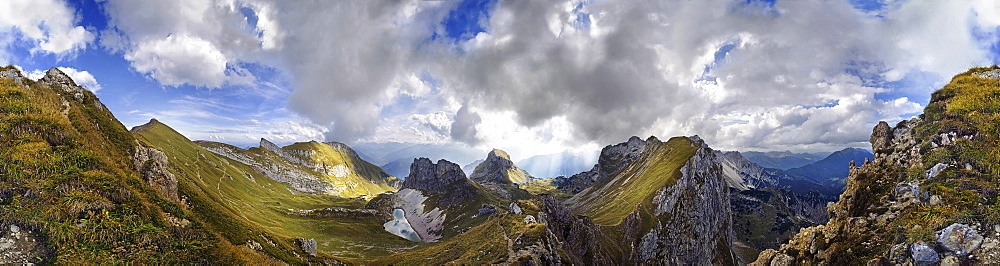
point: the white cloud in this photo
(798, 75)
(50, 25)
(196, 42)
(177, 60)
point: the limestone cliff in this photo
(651, 202)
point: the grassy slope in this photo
(537, 186)
(969, 105)
(371, 179)
(609, 203)
(70, 178)
(231, 189)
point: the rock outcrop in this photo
(432, 178)
(499, 169)
(308, 245)
(13, 74)
(926, 196)
(56, 79)
(153, 165)
(697, 205)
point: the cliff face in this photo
(694, 222)
(651, 202)
(742, 174)
(928, 197)
(766, 218)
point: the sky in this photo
(530, 77)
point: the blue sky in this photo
(532, 78)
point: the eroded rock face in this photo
(55, 78)
(579, 236)
(58, 80)
(689, 223)
(881, 137)
(152, 164)
(430, 177)
(859, 209)
(444, 178)
(694, 215)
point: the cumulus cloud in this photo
(741, 75)
(787, 75)
(196, 42)
(49, 25)
(177, 60)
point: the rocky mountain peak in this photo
(56, 76)
(498, 153)
(57, 79)
(498, 169)
(432, 178)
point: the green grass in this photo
(233, 193)
(609, 203)
(66, 173)
(537, 186)
(485, 243)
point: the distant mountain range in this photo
(832, 170)
(395, 158)
(783, 160)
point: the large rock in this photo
(959, 239)
(152, 164)
(308, 245)
(923, 254)
(881, 138)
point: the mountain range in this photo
(783, 160)
(77, 187)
